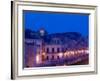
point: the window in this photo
(58, 57)
(52, 50)
(47, 50)
(66, 48)
(52, 57)
(47, 58)
(58, 50)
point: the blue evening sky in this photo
(56, 22)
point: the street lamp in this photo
(37, 59)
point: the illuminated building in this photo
(43, 49)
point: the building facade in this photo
(49, 50)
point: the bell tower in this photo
(42, 31)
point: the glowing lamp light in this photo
(37, 59)
(65, 53)
(79, 51)
(72, 52)
(43, 53)
(68, 53)
(60, 54)
(76, 52)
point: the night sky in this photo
(56, 22)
